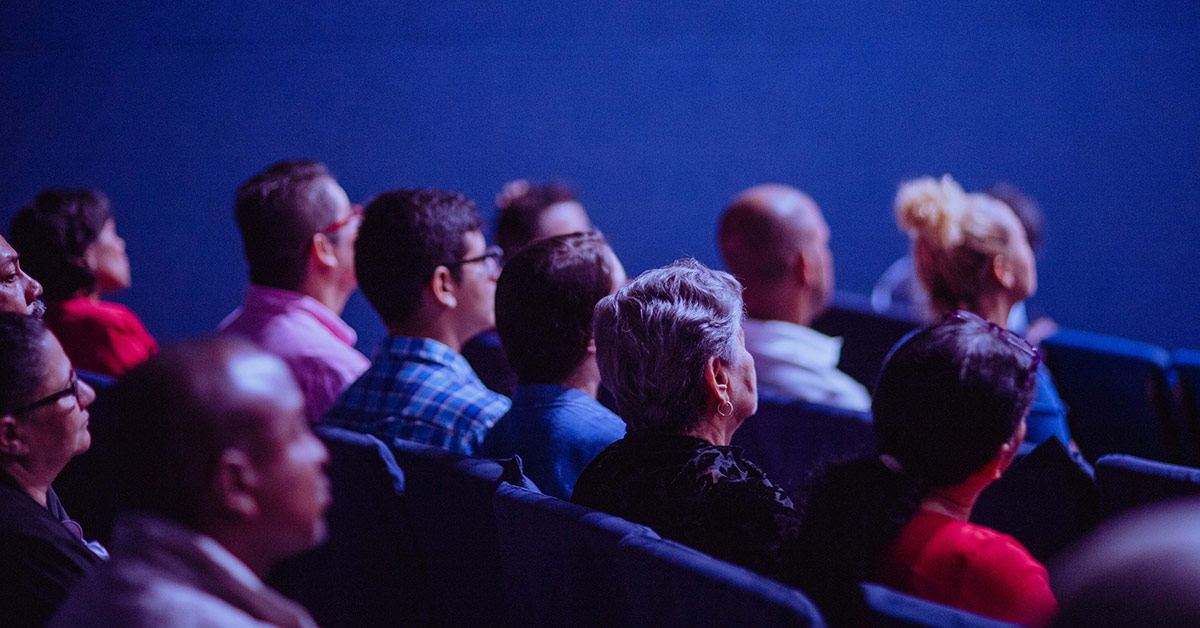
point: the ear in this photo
(716, 379)
(444, 289)
(591, 348)
(1002, 270)
(321, 250)
(12, 442)
(235, 484)
(91, 257)
(800, 268)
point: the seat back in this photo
(1128, 481)
(891, 609)
(867, 336)
(1117, 394)
(1045, 500)
(449, 500)
(655, 582)
(554, 553)
(790, 440)
(1185, 366)
(368, 573)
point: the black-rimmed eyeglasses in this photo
(71, 389)
(493, 256)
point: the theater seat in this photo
(1117, 394)
(1046, 499)
(867, 336)
(368, 573)
(891, 609)
(449, 500)
(1185, 364)
(1127, 481)
(791, 439)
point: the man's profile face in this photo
(345, 235)
(476, 309)
(18, 291)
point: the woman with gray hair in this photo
(669, 345)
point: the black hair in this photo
(946, 400)
(278, 213)
(544, 303)
(521, 205)
(53, 233)
(22, 366)
(405, 235)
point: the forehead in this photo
(476, 244)
(7, 252)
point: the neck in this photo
(715, 430)
(953, 502)
(585, 377)
(326, 293)
(37, 485)
(249, 551)
(996, 308)
(779, 303)
(437, 329)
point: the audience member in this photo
(43, 424)
(949, 410)
(424, 266)
(972, 253)
(298, 230)
(544, 303)
(775, 241)
(1138, 570)
(221, 477)
(669, 346)
(899, 290)
(69, 239)
(527, 212)
(19, 293)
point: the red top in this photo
(976, 569)
(98, 336)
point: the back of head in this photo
(278, 211)
(405, 235)
(176, 414)
(521, 204)
(1139, 569)
(21, 359)
(545, 299)
(955, 236)
(655, 336)
(946, 400)
(53, 233)
(763, 228)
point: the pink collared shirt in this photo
(316, 343)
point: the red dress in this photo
(98, 336)
(960, 564)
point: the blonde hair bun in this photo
(932, 209)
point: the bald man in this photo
(774, 239)
(220, 478)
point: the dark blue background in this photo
(658, 113)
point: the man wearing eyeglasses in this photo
(298, 229)
(423, 264)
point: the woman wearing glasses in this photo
(949, 408)
(43, 424)
(971, 253)
(68, 240)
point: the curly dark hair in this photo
(405, 235)
(52, 234)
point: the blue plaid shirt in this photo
(420, 390)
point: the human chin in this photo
(37, 309)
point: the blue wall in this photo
(658, 114)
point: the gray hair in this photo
(655, 336)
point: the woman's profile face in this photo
(57, 430)
(743, 388)
(1020, 255)
(108, 260)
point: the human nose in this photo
(85, 395)
(33, 289)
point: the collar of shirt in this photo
(550, 395)
(789, 341)
(407, 348)
(276, 301)
(136, 534)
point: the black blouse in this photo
(691, 491)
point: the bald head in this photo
(774, 239)
(181, 409)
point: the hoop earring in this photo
(725, 409)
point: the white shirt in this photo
(797, 362)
